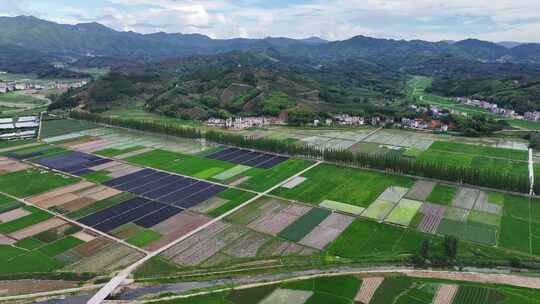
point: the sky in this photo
(433, 20)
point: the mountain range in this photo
(72, 42)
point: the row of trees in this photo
(388, 162)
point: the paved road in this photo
(109, 288)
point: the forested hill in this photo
(244, 83)
(93, 39)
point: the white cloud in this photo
(338, 19)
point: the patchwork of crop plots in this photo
(121, 143)
(223, 242)
(145, 207)
(367, 290)
(32, 240)
(344, 185)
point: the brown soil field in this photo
(84, 236)
(78, 204)
(78, 141)
(16, 287)
(57, 200)
(123, 172)
(272, 222)
(13, 215)
(206, 248)
(108, 259)
(106, 166)
(367, 290)
(248, 245)
(109, 192)
(60, 191)
(239, 181)
(171, 231)
(95, 245)
(5, 240)
(327, 231)
(421, 190)
(445, 294)
(37, 228)
(13, 166)
(209, 204)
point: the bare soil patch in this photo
(5, 240)
(273, 223)
(78, 203)
(16, 287)
(108, 259)
(13, 215)
(84, 236)
(368, 288)
(37, 228)
(421, 190)
(60, 191)
(95, 245)
(445, 294)
(176, 227)
(327, 231)
(248, 245)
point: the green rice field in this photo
(263, 179)
(33, 181)
(51, 128)
(143, 238)
(4, 144)
(341, 184)
(442, 194)
(479, 150)
(191, 165)
(368, 238)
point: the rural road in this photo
(109, 288)
(131, 294)
(20, 107)
(270, 279)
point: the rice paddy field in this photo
(476, 156)
(368, 290)
(149, 191)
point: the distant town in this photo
(21, 85)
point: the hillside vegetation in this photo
(239, 83)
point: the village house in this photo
(348, 120)
(532, 116)
(241, 123)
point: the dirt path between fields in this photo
(131, 294)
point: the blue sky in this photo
(495, 20)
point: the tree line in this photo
(390, 163)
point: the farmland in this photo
(357, 289)
(355, 187)
(130, 191)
